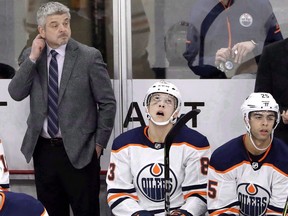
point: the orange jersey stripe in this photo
(122, 195)
(219, 212)
(195, 192)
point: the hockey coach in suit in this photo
(72, 110)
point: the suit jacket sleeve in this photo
(104, 95)
(20, 86)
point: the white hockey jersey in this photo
(240, 184)
(4, 172)
(135, 177)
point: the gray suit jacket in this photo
(87, 103)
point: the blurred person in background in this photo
(6, 71)
(225, 38)
(272, 77)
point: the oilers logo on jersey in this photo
(151, 182)
(246, 20)
(253, 199)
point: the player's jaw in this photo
(161, 115)
(63, 38)
(261, 136)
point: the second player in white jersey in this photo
(249, 174)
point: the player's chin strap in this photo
(170, 120)
(248, 127)
(260, 149)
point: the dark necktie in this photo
(53, 125)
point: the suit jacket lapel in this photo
(70, 57)
(43, 75)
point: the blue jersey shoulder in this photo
(21, 204)
(137, 136)
(192, 137)
(229, 154)
(234, 152)
(133, 136)
(278, 155)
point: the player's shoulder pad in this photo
(278, 155)
(192, 137)
(229, 154)
(24, 203)
(135, 136)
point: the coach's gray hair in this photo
(50, 8)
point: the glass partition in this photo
(91, 24)
(202, 38)
(142, 41)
